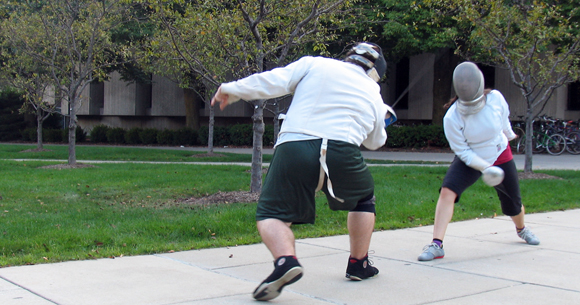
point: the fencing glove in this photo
(492, 175)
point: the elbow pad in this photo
(390, 117)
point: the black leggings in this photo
(460, 176)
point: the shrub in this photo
(54, 121)
(241, 135)
(165, 137)
(148, 136)
(64, 134)
(53, 135)
(202, 135)
(221, 136)
(116, 135)
(186, 136)
(436, 136)
(29, 134)
(80, 135)
(99, 134)
(417, 136)
(395, 136)
(132, 136)
(268, 139)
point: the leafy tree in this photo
(72, 40)
(36, 85)
(409, 30)
(404, 28)
(10, 118)
(537, 41)
(176, 51)
(217, 41)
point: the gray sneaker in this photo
(527, 235)
(430, 252)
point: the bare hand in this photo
(220, 98)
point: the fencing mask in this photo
(366, 55)
(468, 83)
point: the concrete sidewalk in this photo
(485, 263)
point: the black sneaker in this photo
(287, 271)
(359, 270)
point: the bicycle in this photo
(572, 136)
(519, 129)
(544, 138)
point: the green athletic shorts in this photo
(290, 184)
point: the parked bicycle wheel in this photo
(536, 145)
(514, 143)
(521, 146)
(573, 143)
(555, 144)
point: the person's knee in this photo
(366, 204)
(447, 195)
(271, 221)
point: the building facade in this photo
(409, 87)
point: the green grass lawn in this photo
(111, 210)
(124, 153)
(121, 153)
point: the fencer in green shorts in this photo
(336, 108)
(293, 177)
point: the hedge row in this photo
(237, 135)
(417, 136)
(53, 135)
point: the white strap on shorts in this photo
(324, 171)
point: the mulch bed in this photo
(224, 197)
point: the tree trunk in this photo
(72, 135)
(192, 102)
(444, 65)
(258, 128)
(39, 121)
(276, 121)
(528, 144)
(210, 130)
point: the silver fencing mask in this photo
(373, 61)
(468, 83)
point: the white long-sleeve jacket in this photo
(480, 138)
(332, 99)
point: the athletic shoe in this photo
(431, 251)
(360, 269)
(287, 270)
(527, 235)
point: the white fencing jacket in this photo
(332, 100)
(478, 139)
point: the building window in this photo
(574, 96)
(488, 75)
(402, 84)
